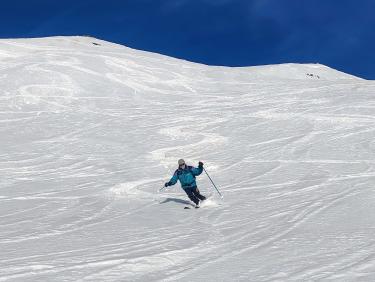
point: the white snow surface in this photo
(90, 132)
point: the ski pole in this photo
(213, 183)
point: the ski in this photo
(188, 208)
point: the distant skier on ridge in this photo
(186, 175)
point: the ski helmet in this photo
(181, 162)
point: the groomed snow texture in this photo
(90, 131)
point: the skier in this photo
(186, 174)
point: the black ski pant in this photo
(194, 194)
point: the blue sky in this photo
(337, 33)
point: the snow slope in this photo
(90, 130)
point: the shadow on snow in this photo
(176, 200)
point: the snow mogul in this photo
(186, 175)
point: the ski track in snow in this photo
(90, 133)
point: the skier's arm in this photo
(197, 170)
(173, 180)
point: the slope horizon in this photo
(181, 59)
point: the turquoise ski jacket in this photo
(186, 176)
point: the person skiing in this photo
(186, 175)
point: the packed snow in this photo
(91, 130)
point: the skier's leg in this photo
(191, 195)
(198, 194)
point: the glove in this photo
(200, 164)
(167, 184)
